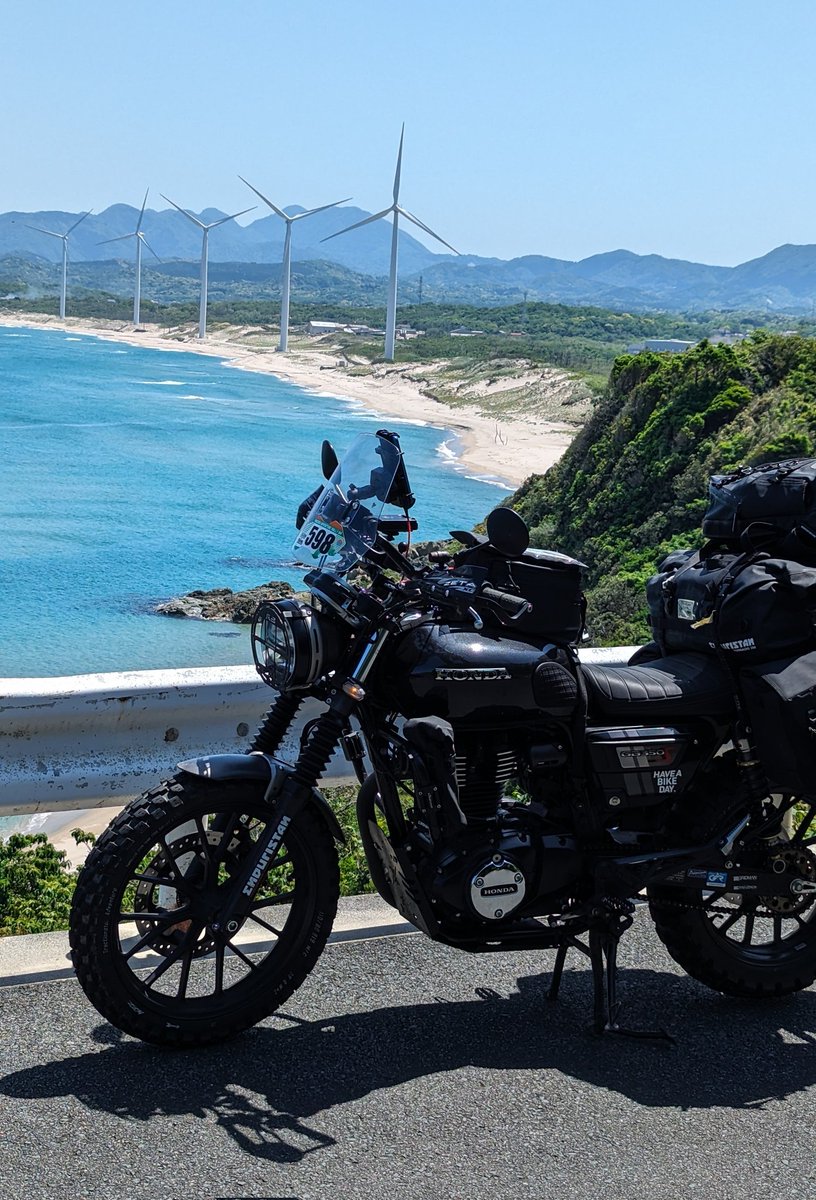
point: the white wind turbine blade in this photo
(266, 200)
(398, 171)
(231, 217)
(311, 211)
(79, 222)
(357, 224)
(187, 214)
(144, 240)
(123, 238)
(141, 214)
(50, 232)
(427, 228)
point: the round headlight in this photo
(292, 644)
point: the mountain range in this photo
(784, 280)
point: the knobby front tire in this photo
(141, 933)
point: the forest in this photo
(634, 482)
(582, 339)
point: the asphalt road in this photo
(403, 1069)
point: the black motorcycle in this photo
(510, 796)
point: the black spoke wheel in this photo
(149, 947)
(749, 945)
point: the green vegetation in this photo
(37, 881)
(36, 885)
(634, 482)
(583, 339)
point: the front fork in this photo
(299, 785)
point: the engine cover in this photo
(486, 876)
(497, 888)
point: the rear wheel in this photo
(148, 947)
(744, 945)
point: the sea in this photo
(130, 475)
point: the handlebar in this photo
(513, 606)
(460, 594)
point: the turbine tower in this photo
(205, 230)
(140, 241)
(398, 211)
(64, 237)
(287, 254)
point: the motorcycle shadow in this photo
(263, 1087)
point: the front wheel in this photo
(148, 948)
(747, 945)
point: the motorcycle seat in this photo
(680, 685)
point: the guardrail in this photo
(95, 741)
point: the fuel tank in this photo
(458, 673)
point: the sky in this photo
(531, 126)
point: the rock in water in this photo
(222, 604)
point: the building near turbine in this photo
(324, 328)
(320, 328)
(661, 346)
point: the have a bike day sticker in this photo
(322, 538)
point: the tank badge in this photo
(467, 674)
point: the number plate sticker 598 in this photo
(321, 538)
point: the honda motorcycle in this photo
(510, 795)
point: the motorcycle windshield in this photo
(342, 524)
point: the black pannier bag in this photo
(780, 701)
(751, 608)
(771, 507)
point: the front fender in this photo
(258, 766)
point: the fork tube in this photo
(275, 724)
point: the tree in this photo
(36, 885)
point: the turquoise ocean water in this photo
(130, 475)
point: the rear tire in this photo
(173, 853)
(742, 945)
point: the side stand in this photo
(615, 917)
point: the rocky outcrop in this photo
(222, 604)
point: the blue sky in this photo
(531, 127)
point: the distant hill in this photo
(177, 281)
(171, 235)
(784, 280)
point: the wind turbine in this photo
(398, 211)
(64, 237)
(140, 240)
(287, 254)
(205, 229)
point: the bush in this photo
(36, 885)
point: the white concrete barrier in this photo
(94, 741)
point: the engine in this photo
(484, 856)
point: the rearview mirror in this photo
(328, 459)
(508, 532)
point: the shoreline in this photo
(505, 451)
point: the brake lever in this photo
(478, 623)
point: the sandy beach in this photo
(509, 447)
